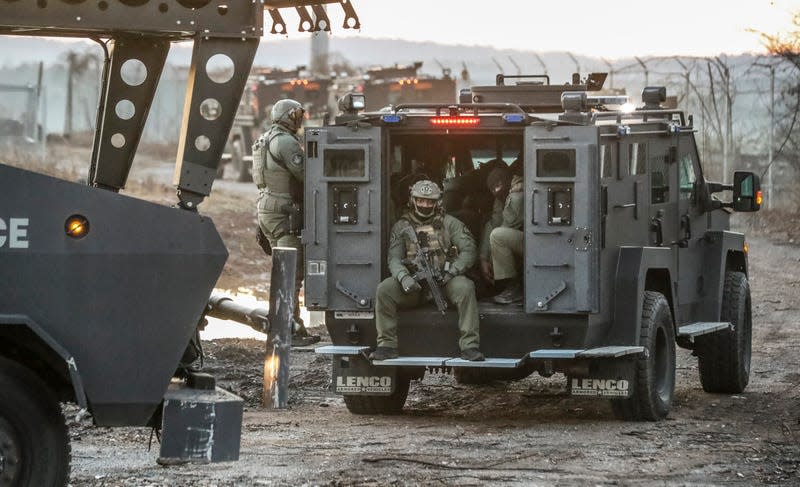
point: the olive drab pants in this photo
(275, 226)
(507, 245)
(390, 297)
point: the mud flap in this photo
(608, 379)
(354, 375)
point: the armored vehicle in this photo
(627, 247)
(393, 85)
(101, 293)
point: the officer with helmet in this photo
(278, 171)
(453, 251)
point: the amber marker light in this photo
(76, 226)
(759, 198)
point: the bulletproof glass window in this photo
(659, 180)
(637, 159)
(555, 163)
(606, 160)
(687, 177)
(343, 163)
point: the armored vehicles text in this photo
(627, 248)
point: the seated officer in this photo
(503, 239)
(401, 290)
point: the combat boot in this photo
(301, 337)
(384, 353)
(512, 294)
(473, 355)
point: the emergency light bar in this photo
(455, 121)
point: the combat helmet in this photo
(288, 113)
(428, 190)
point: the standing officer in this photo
(278, 171)
(401, 290)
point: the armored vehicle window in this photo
(637, 159)
(659, 180)
(555, 163)
(606, 160)
(344, 163)
(687, 176)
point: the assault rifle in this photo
(425, 272)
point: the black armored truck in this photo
(627, 247)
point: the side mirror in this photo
(747, 194)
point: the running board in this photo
(489, 363)
(601, 352)
(341, 350)
(687, 333)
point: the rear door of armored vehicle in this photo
(343, 224)
(562, 231)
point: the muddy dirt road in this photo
(528, 432)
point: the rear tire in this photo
(655, 372)
(391, 404)
(34, 444)
(724, 357)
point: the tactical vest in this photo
(438, 240)
(270, 172)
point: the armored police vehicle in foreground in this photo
(627, 247)
(101, 294)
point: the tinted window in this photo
(555, 163)
(687, 176)
(659, 180)
(637, 159)
(344, 163)
(606, 160)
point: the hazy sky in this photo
(610, 29)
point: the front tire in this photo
(655, 371)
(34, 444)
(391, 404)
(724, 357)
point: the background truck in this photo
(628, 251)
(101, 294)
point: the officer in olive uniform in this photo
(503, 239)
(278, 171)
(402, 291)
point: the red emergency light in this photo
(455, 121)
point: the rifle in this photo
(425, 271)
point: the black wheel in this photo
(724, 357)
(34, 445)
(391, 404)
(655, 371)
(238, 162)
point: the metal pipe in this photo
(275, 393)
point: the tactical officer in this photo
(401, 290)
(278, 171)
(503, 239)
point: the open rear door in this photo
(342, 234)
(562, 220)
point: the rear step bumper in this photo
(489, 363)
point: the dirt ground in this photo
(527, 432)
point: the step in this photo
(702, 328)
(600, 352)
(489, 363)
(341, 349)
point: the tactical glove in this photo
(410, 285)
(445, 278)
